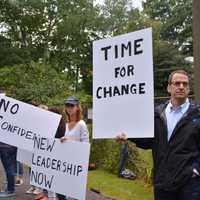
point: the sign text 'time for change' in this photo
(122, 82)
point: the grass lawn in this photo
(121, 189)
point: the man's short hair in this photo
(180, 71)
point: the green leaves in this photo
(59, 34)
(176, 17)
(35, 82)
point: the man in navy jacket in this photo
(176, 143)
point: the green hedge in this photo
(105, 153)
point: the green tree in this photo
(176, 18)
(35, 82)
(29, 25)
(10, 55)
(55, 32)
(73, 41)
(116, 15)
(166, 54)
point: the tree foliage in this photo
(116, 14)
(176, 17)
(59, 33)
(35, 82)
(54, 32)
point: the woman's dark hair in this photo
(62, 125)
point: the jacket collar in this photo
(159, 110)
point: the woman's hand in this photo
(65, 138)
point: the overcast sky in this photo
(136, 3)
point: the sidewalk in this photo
(21, 190)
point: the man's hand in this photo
(122, 137)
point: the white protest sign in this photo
(123, 85)
(24, 156)
(60, 167)
(21, 122)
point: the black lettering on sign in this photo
(98, 90)
(105, 49)
(107, 91)
(126, 47)
(44, 144)
(4, 125)
(7, 106)
(71, 169)
(124, 71)
(122, 50)
(48, 164)
(126, 89)
(41, 179)
(141, 88)
(137, 45)
(33, 160)
(79, 169)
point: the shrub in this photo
(105, 153)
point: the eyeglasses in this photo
(178, 83)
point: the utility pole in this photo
(196, 47)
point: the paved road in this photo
(21, 195)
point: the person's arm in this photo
(84, 133)
(144, 143)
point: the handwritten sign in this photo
(21, 122)
(123, 85)
(60, 167)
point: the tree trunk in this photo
(196, 47)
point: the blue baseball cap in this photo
(71, 101)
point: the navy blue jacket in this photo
(174, 159)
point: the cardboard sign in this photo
(21, 122)
(123, 86)
(60, 167)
